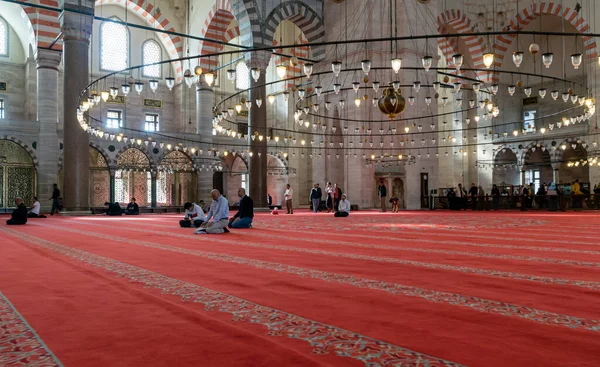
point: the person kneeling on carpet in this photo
(219, 213)
(194, 216)
(34, 212)
(19, 215)
(132, 208)
(112, 209)
(343, 207)
(243, 218)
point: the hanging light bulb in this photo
(327, 105)
(457, 60)
(416, 86)
(542, 92)
(238, 107)
(471, 103)
(342, 103)
(281, 71)
(170, 81)
(565, 97)
(366, 66)
(396, 64)
(355, 86)
(209, 78)
(318, 90)
(547, 59)
(126, 88)
(259, 102)
(495, 89)
(231, 75)
(230, 111)
(114, 92)
(286, 96)
(255, 72)
(457, 86)
(308, 69)
(428, 100)
(427, 61)
(574, 98)
(139, 87)
(527, 91)
(357, 101)
(337, 87)
(97, 98)
(411, 100)
(476, 87)
(512, 89)
(576, 60)
(336, 66)
(488, 60)
(271, 98)
(436, 86)
(396, 85)
(104, 94)
(301, 93)
(554, 94)
(153, 85)
(376, 86)
(518, 58)
(393, 101)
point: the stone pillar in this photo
(204, 115)
(76, 29)
(555, 170)
(153, 188)
(47, 62)
(257, 164)
(111, 194)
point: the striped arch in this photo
(454, 21)
(144, 9)
(299, 52)
(527, 15)
(29, 150)
(216, 28)
(44, 25)
(304, 17)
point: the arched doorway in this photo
(132, 177)
(277, 178)
(17, 174)
(99, 179)
(176, 181)
(537, 167)
(505, 170)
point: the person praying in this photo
(34, 212)
(112, 209)
(19, 215)
(243, 218)
(194, 216)
(219, 213)
(343, 207)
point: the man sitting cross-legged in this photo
(219, 213)
(343, 207)
(19, 215)
(194, 216)
(243, 218)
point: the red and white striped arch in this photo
(527, 15)
(44, 24)
(455, 21)
(144, 9)
(299, 52)
(217, 27)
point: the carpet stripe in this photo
(322, 338)
(474, 303)
(463, 269)
(20, 345)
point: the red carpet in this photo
(374, 289)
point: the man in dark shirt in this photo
(112, 209)
(243, 218)
(19, 215)
(132, 208)
(54, 198)
(315, 197)
(382, 193)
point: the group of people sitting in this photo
(114, 209)
(216, 219)
(21, 213)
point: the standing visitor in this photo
(19, 215)
(329, 199)
(495, 197)
(315, 197)
(461, 195)
(480, 198)
(219, 213)
(473, 194)
(288, 196)
(243, 218)
(54, 198)
(269, 200)
(382, 193)
(337, 194)
(343, 207)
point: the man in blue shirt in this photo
(219, 213)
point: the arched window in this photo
(242, 76)
(114, 46)
(3, 37)
(151, 53)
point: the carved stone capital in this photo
(77, 26)
(47, 59)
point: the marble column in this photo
(153, 187)
(76, 29)
(204, 115)
(257, 164)
(47, 62)
(111, 194)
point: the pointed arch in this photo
(217, 27)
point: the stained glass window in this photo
(242, 76)
(3, 38)
(114, 43)
(151, 53)
(114, 119)
(151, 122)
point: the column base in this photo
(74, 213)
